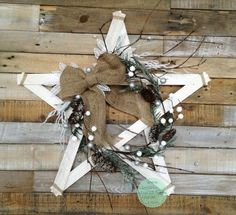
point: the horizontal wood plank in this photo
(98, 203)
(13, 62)
(67, 43)
(212, 46)
(174, 22)
(219, 91)
(199, 115)
(41, 42)
(19, 17)
(215, 67)
(48, 157)
(188, 184)
(121, 4)
(187, 136)
(204, 5)
(16, 181)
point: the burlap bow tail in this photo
(112, 72)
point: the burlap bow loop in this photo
(110, 71)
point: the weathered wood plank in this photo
(199, 115)
(23, 111)
(189, 184)
(40, 42)
(12, 62)
(98, 203)
(215, 67)
(121, 4)
(66, 43)
(19, 17)
(16, 181)
(204, 4)
(185, 183)
(48, 157)
(219, 91)
(187, 136)
(209, 115)
(213, 46)
(176, 22)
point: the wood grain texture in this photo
(204, 4)
(212, 46)
(48, 157)
(74, 203)
(13, 62)
(66, 43)
(19, 17)
(189, 184)
(219, 91)
(174, 22)
(40, 42)
(16, 181)
(23, 111)
(121, 4)
(199, 115)
(225, 66)
(187, 136)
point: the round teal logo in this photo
(151, 193)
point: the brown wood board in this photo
(13, 62)
(218, 91)
(74, 203)
(200, 115)
(174, 22)
(140, 4)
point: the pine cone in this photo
(148, 94)
(103, 162)
(154, 133)
(169, 135)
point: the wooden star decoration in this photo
(66, 176)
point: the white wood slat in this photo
(125, 136)
(65, 166)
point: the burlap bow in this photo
(112, 72)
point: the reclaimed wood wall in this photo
(35, 35)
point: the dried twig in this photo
(141, 32)
(198, 47)
(178, 44)
(100, 29)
